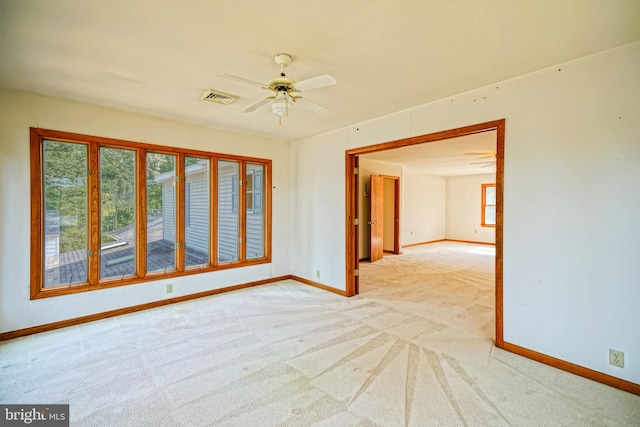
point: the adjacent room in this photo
(320, 213)
(435, 206)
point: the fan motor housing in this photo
(281, 83)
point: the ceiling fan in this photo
(285, 89)
(484, 155)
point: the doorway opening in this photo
(380, 207)
(352, 192)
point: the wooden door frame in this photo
(351, 194)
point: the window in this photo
(108, 212)
(161, 212)
(198, 212)
(187, 204)
(254, 212)
(488, 205)
(254, 188)
(228, 211)
(249, 190)
(64, 230)
(117, 201)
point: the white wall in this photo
(464, 208)
(572, 174)
(19, 112)
(423, 207)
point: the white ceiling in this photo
(157, 56)
(465, 155)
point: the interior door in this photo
(376, 195)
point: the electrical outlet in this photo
(318, 274)
(616, 358)
(170, 288)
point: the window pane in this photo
(490, 195)
(248, 202)
(228, 210)
(161, 212)
(255, 216)
(196, 211)
(65, 213)
(117, 212)
(490, 215)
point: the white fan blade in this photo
(313, 106)
(316, 82)
(243, 80)
(482, 155)
(481, 163)
(258, 104)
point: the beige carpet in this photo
(413, 349)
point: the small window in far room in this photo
(488, 205)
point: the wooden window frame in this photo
(483, 222)
(37, 138)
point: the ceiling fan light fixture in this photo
(281, 105)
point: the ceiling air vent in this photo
(218, 97)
